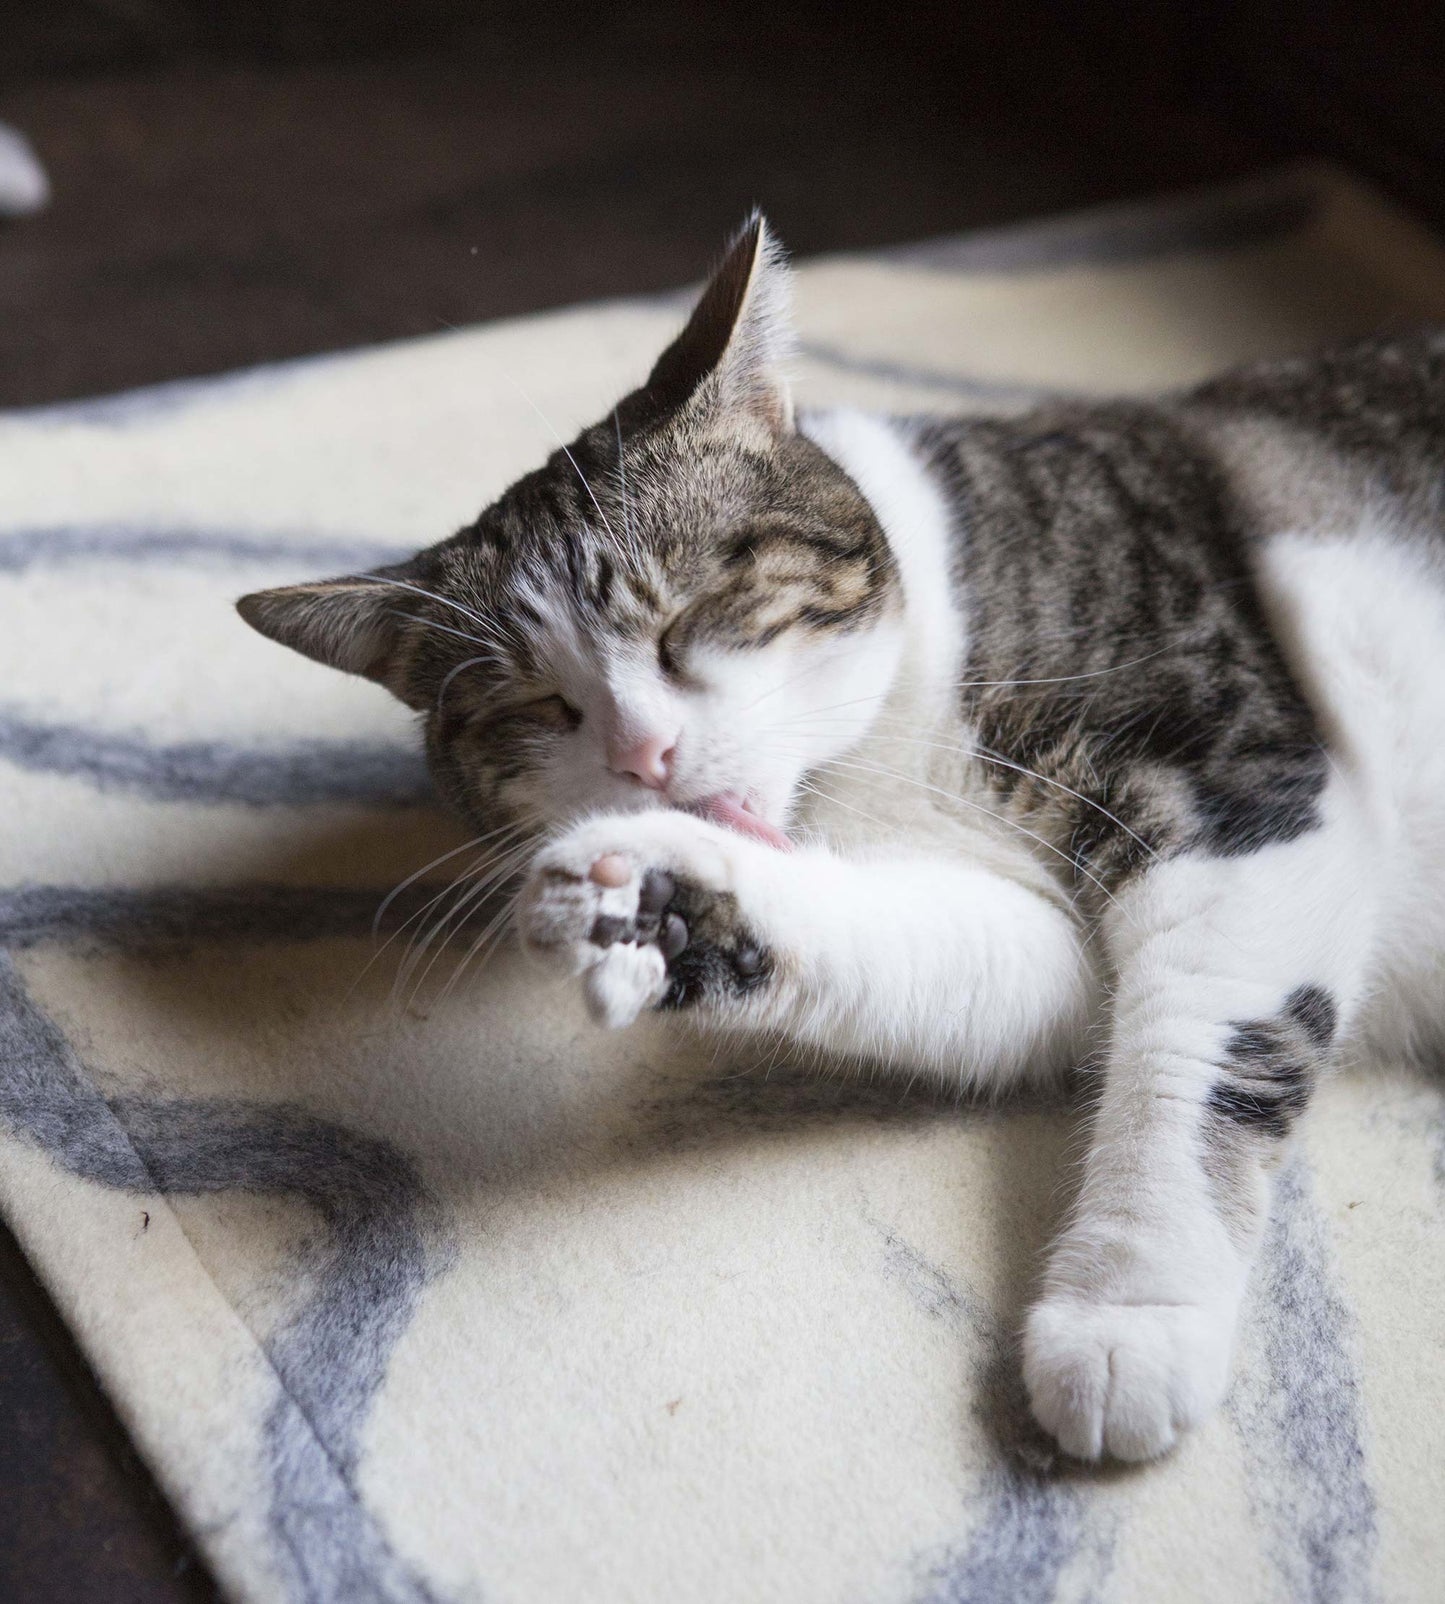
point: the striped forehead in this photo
(579, 629)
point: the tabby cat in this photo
(978, 748)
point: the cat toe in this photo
(594, 906)
(1124, 1380)
(566, 920)
(629, 979)
(640, 906)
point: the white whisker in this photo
(566, 451)
(446, 601)
(908, 779)
(426, 868)
(627, 523)
(1065, 679)
(478, 868)
(508, 863)
(446, 629)
(988, 756)
(470, 662)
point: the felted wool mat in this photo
(452, 1296)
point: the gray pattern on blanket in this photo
(1031, 1521)
(330, 1357)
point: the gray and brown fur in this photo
(1268, 1071)
(1117, 644)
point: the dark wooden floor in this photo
(210, 214)
(213, 210)
(80, 1517)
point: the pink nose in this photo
(649, 760)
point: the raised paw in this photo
(1124, 1379)
(642, 908)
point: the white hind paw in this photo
(1124, 1379)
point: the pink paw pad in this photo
(612, 870)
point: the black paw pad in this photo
(607, 929)
(655, 892)
(698, 934)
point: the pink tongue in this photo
(725, 808)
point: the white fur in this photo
(1363, 616)
(876, 961)
(1131, 1341)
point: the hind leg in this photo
(1235, 977)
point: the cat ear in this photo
(352, 624)
(739, 335)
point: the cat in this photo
(1110, 733)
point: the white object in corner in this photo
(24, 188)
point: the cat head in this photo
(690, 605)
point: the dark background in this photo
(247, 180)
(253, 179)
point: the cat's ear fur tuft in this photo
(353, 624)
(732, 352)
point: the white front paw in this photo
(626, 979)
(616, 900)
(1125, 1378)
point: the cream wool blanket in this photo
(459, 1299)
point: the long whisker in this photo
(1065, 679)
(475, 867)
(908, 779)
(509, 837)
(491, 928)
(622, 482)
(426, 868)
(1046, 779)
(478, 866)
(831, 707)
(446, 629)
(507, 864)
(837, 801)
(808, 668)
(472, 868)
(491, 937)
(989, 756)
(431, 595)
(566, 451)
(487, 875)
(471, 662)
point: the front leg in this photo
(923, 963)
(1236, 977)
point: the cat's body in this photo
(1110, 733)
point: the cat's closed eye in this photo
(551, 712)
(554, 711)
